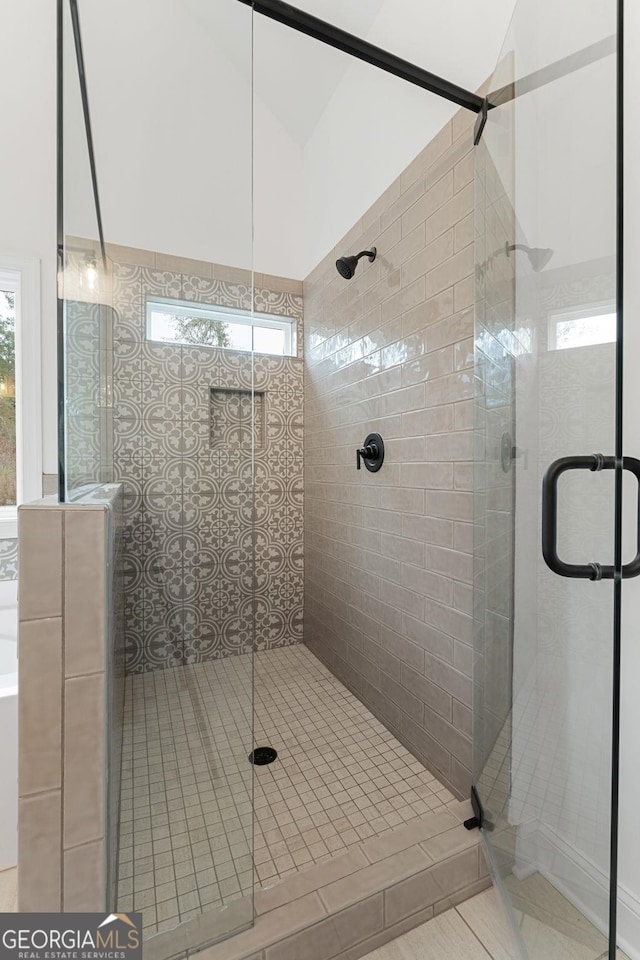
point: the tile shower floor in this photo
(186, 817)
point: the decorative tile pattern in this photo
(237, 419)
(182, 447)
(187, 822)
(9, 559)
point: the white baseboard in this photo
(580, 880)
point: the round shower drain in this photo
(262, 755)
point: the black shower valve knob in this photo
(372, 452)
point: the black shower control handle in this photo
(370, 452)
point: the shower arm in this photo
(327, 33)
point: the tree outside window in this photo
(8, 495)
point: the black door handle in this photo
(588, 571)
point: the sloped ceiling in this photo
(170, 93)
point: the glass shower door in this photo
(546, 389)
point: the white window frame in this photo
(22, 276)
(188, 308)
(604, 309)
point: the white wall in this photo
(27, 169)
(374, 124)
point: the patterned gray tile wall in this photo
(9, 559)
(190, 536)
(88, 355)
(388, 555)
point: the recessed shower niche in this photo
(237, 419)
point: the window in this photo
(8, 468)
(20, 396)
(180, 321)
(582, 327)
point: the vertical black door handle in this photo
(589, 571)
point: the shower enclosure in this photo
(548, 507)
(186, 376)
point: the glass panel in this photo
(85, 306)
(545, 389)
(8, 474)
(187, 429)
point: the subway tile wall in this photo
(388, 555)
(70, 679)
(213, 549)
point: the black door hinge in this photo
(478, 819)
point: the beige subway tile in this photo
(463, 474)
(431, 311)
(40, 705)
(406, 199)
(463, 719)
(334, 935)
(431, 476)
(39, 853)
(428, 529)
(449, 273)
(427, 748)
(402, 548)
(307, 881)
(453, 212)
(430, 366)
(281, 284)
(410, 896)
(460, 779)
(464, 415)
(450, 505)
(84, 759)
(40, 562)
(438, 194)
(464, 292)
(85, 603)
(396, 693)
(402, 838)
(232, 274)
(401, 598)
(457, 871)
(85, 876)
(387, 935)
(464, 232)
(450, 563)
(464, 171)
(174, 943)
(402, 500)
(450, 843)
(131, 255)
(428, 692)
(457, 151)
(438, 251)
(428, 638)
(270, 928)
(449, 679)
(192, 268)
(404, 300)
(451, 330)
(373, 879)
